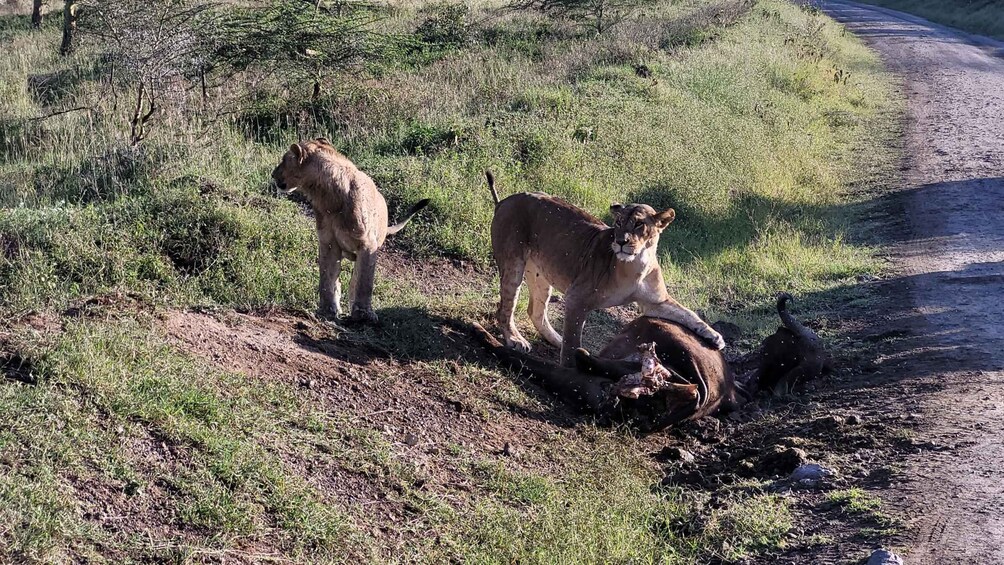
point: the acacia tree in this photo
(37, 15)
(306, 44)
(151, 47)
(71, 12)
(597, 15)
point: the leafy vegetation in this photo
(751, 120)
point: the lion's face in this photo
(637, 227)
(285, 174)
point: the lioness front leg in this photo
(329, 262)
(656, 302)
(361, 287)
(674, 312)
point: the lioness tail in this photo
(491, 186)
(790, 322)
(407, 216)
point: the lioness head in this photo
(637, 227)
(290, 172)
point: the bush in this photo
(446, 26)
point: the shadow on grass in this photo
(415, 335)
(697, 233)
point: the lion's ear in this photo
(616, 208)
(664, 218)
(297, 152)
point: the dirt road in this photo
(949, 256)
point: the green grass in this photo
(744, 130)
(857, 502)
(110, 399)
(985, 17)
(533, 521)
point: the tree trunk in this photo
(70, 14)
(36, 13)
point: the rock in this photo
(811, 472)
(411, 440)
(692, 477)
(828, 422)
(731, 333)
(884, 557)
(782, 460)
(676, 454)
(792, 441)
(854, 419)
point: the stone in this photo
(811, 472)
(884, 557)
(829, 422)
(854, 419)
(676, 454)
(411, 440)
(782, 460)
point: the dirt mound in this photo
(423, 409)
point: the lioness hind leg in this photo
(540, 295)
(511, 276)
(361, 287)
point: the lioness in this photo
(351, 217)
(703, 382)
(551, 243)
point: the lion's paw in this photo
(715, 338)
(519, 343)
(365, 316)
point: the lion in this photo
(698, 381)
(351, 217)
(552, 244)
(791, 355)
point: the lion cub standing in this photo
(552, 244)
(351, 219)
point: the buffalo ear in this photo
(297, 152)
(664, 218)
(616, 208)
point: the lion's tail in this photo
(790, 322)
(491, 187)
(408, 215)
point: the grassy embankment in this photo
(984, 17)
(126, 446)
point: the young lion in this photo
(551, 243)
(351, 219)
